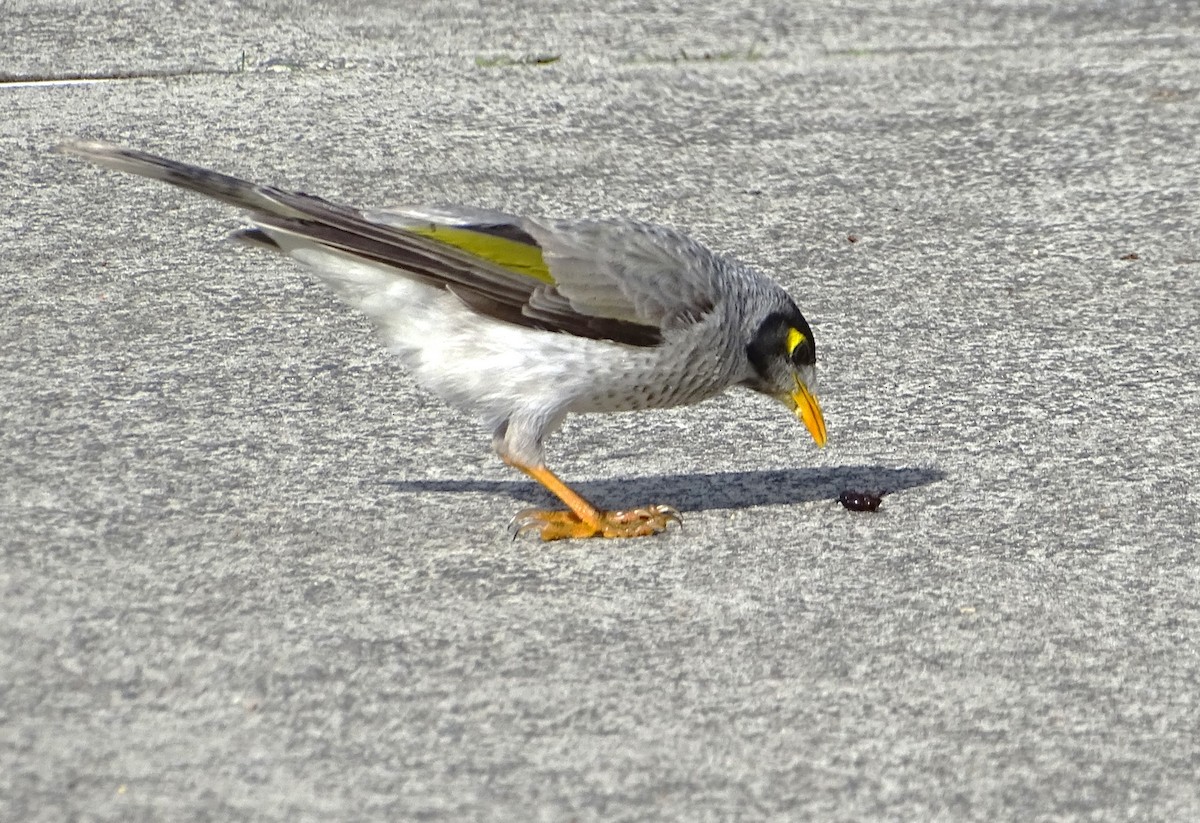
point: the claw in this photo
(526, 520)
(670, 513)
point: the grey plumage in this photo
(524, 320)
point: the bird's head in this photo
(783, 360)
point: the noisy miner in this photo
(524, 320)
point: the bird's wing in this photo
(628, 271)
(576, 278)
(618, 271)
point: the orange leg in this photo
(583, 519)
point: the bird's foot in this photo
(558, 525)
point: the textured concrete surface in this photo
(250, 571)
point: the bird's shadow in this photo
(699, 492)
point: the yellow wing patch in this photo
(522, 258)
(794, 338)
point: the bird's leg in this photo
(583, 519)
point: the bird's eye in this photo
(795, 338)
(799, 347)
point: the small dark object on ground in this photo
(852, 238)
(1131, 256)
(860, 501)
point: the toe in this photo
(550, 525)
(640, 522)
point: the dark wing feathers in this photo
(430, 262)
(549, 309)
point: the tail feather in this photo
(224, 187)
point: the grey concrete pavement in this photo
(250, 571)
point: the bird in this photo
(523, 320)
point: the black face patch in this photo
(770, 342)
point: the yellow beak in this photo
(805, 404)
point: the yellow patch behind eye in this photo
(521, 258)
(794, 338)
